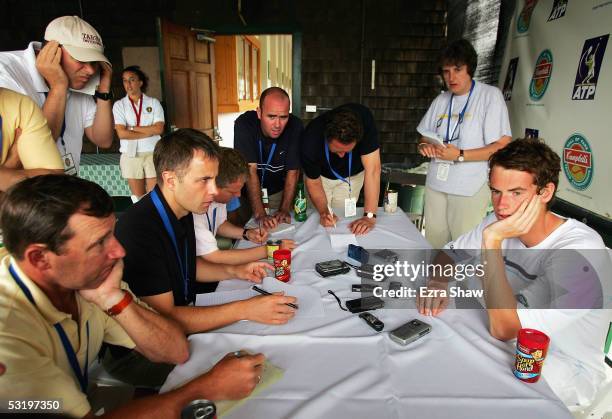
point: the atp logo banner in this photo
(558, 10)
(510, 76)
(588, 68)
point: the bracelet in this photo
(121, 305)
(244, 234)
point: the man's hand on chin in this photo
(109, 292)
(516, 225)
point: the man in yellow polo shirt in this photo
(26, 146)
(61, 297)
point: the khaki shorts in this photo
(139, 167)
(336, 190)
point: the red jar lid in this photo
(533, 338)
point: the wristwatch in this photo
(103, 96)
(370, 214)
(461, 157)
(244, 234)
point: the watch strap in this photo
(244, 234)
(103, 96)
(121, 305)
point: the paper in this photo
(270, 375)
(282, 228)
(308, 299)
(340, 241)
(431, 137)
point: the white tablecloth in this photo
(338, 367)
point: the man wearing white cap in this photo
(63, 77)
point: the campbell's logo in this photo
(524, 18)
(90, 38)
(578, 161)
(577, 156)
(541, 75)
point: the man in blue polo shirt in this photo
(268, 139)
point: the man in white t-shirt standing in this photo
(233, 173)
(542, 271)
(61, 77)
(471, 119)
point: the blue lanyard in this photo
(81, 375)
(212, 228)
(263, 170)
(63, 127)
(461, 114)
(164, 216)
(350, 163)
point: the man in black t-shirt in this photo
(268, 139)
(157, 232)
(340, 155)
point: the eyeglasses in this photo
(456, 132)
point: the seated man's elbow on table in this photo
(504, 324)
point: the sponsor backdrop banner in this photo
(556, 78)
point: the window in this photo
(248, 59)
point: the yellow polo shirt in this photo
(36, 147)
(36, 363)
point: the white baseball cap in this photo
(79, 38)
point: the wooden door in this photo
(189, 79)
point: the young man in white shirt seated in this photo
(233, 173)
(537, 270)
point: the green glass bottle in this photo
(299, 203)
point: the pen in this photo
(331, 212)
(264, 292)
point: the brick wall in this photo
(404, 39)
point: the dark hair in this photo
(232, 167)
(459, 53)
(268, 92)
(344, 126)
(38, 209)
(141, 75)
(174, 151)
(530, 155)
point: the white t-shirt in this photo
(485, 121)
(152, 112)
(18, 72)
(206, 226)
(574, 367)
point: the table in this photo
(337, 367)
(104, 170)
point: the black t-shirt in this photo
(248, 135)
(314, 162)
(151, 264)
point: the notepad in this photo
(340, 241)
(308, 298)
(431, 137)
(282, 228)
(270, 375)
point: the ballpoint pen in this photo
(331, 212)
(264, 292)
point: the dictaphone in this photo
(331, 268)
(409, 332)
